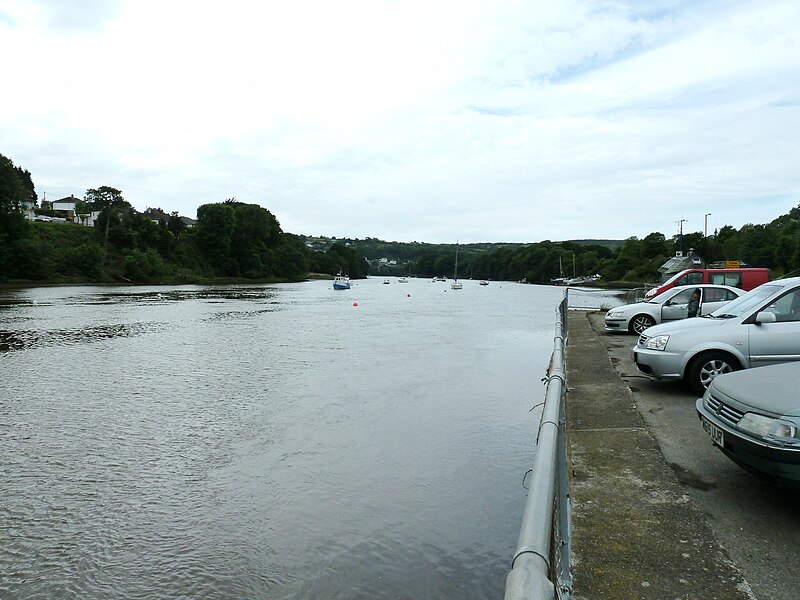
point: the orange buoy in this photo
(355, 303)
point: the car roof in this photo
(788, 282)
(707, 285)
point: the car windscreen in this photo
(745, 303)
(663, 296)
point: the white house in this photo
(68, 204)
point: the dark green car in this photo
(753, 416)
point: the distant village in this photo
(64, 210)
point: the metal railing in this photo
(540, 569)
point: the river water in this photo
(274, 441)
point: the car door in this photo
(772, 343)
(714, 298)
(677, 306)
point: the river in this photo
(270, 441)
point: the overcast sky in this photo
(423, 120)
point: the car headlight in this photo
(784, 431)
(657, 342)
(757, 425)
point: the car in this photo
(668, 306)
(759, 328)
(753, 417)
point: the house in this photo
(189, 222)
(27, 206)
(678, 263)
(67, 203)
(67, 206)
(156, 215)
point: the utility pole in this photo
(680, 238)
(705, 226)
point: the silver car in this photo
(758, 431)
(761, 327)
(670, 305)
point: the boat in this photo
(404, 278)
(386, 282)
(341, 282)
(483, 282)
(456, 285)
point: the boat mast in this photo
(455, 271)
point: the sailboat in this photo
(456, 285)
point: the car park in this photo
(670, 305)
(753, 417)
(760, 328)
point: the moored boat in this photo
(341, 282)
(456, 285)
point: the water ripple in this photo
(24, 339)
(265, 442)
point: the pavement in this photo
(636, 532)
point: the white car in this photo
(670, 305)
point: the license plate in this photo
(712, 430)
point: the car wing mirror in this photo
(765, 317)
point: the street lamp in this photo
(705, 227)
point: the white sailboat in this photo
(456, 285)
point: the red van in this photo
(745, 278)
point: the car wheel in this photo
(641, 322)
(705, 367)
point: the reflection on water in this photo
(267, 441)
(24, 339)
(150, 296)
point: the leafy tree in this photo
(27, 182)
(13, 227)
(82, 210)
(348, 261)
(176, 225)
(255, 232)
(214, 234)
(107, 199)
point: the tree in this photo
(27, 183)
(176, 225)
(106, 199)
(13, 227)
(82, 210)
(214, 234)
(256, 231)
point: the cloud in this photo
(416, 120)
(58, 17)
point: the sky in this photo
(414, 120)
